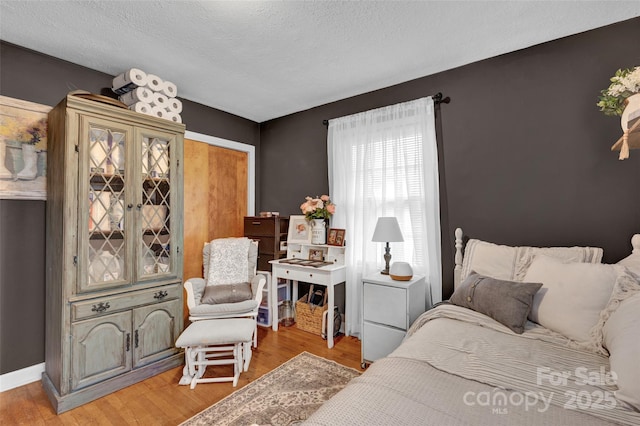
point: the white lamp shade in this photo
(387, 231)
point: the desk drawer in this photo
(313, 276)
(122, 301)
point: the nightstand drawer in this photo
(118, 302)
(385, 305)
(379, 341)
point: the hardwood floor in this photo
(160, 400)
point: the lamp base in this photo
(385, 272)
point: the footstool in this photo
(216, 342)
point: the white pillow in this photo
(632, 262)
(622, 339)
(488, 259)
(511, 263)
(572, 295)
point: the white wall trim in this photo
(237, 146)
(21, 377)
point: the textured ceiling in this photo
(262, 60)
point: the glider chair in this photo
(231, 287)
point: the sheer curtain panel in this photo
(384, 162)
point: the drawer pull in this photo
(128, 341)
(100, 307)
(255, 223)
(310, 275)
(161, 295)
(136, 339)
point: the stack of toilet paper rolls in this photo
(148, 94)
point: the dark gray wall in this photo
(524, 151)
(22, 259)
(31, 76)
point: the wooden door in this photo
(215, 199)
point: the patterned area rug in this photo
(284, 396)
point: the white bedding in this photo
(458, 367)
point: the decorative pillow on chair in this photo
(226, 293)
(507, 302)
(253, 259)
(228, 261)
(572, 295)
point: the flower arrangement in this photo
(624, 83)
(318, 208)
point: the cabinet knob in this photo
(139, 206)
(129, 206)
(310, 275)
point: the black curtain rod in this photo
(437, 99)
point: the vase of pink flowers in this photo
(318, 211)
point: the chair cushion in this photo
(223, 308)
(226, 293)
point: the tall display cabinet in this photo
(114, 249)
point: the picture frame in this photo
(23, 142)
(335, 237)
(299, 230)
(317, 254)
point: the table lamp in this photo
(387, 230)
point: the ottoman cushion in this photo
(217, 332)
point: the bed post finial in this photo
(635, 242)
(457, 270)
(458, 258)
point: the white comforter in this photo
(458, 367)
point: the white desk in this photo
(329, 276)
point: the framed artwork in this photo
(23, 149)
(299, 230)
(316, 254)
(335, 237)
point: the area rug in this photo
(284, 396)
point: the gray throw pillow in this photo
(226, 293)
(507, 302)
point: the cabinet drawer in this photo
(258, 226)
(379, 341)
(265, 244)
(263, 262)
(385, 305)
(118, 302)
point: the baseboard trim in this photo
(21, 377)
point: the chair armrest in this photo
(257, 285)
(194, 288)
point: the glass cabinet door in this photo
(157, 192)
(104, 219)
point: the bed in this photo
(536, 336)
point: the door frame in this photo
(236, 146)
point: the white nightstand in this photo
(388, 309)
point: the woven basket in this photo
(307, 320)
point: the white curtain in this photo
(384, 162)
